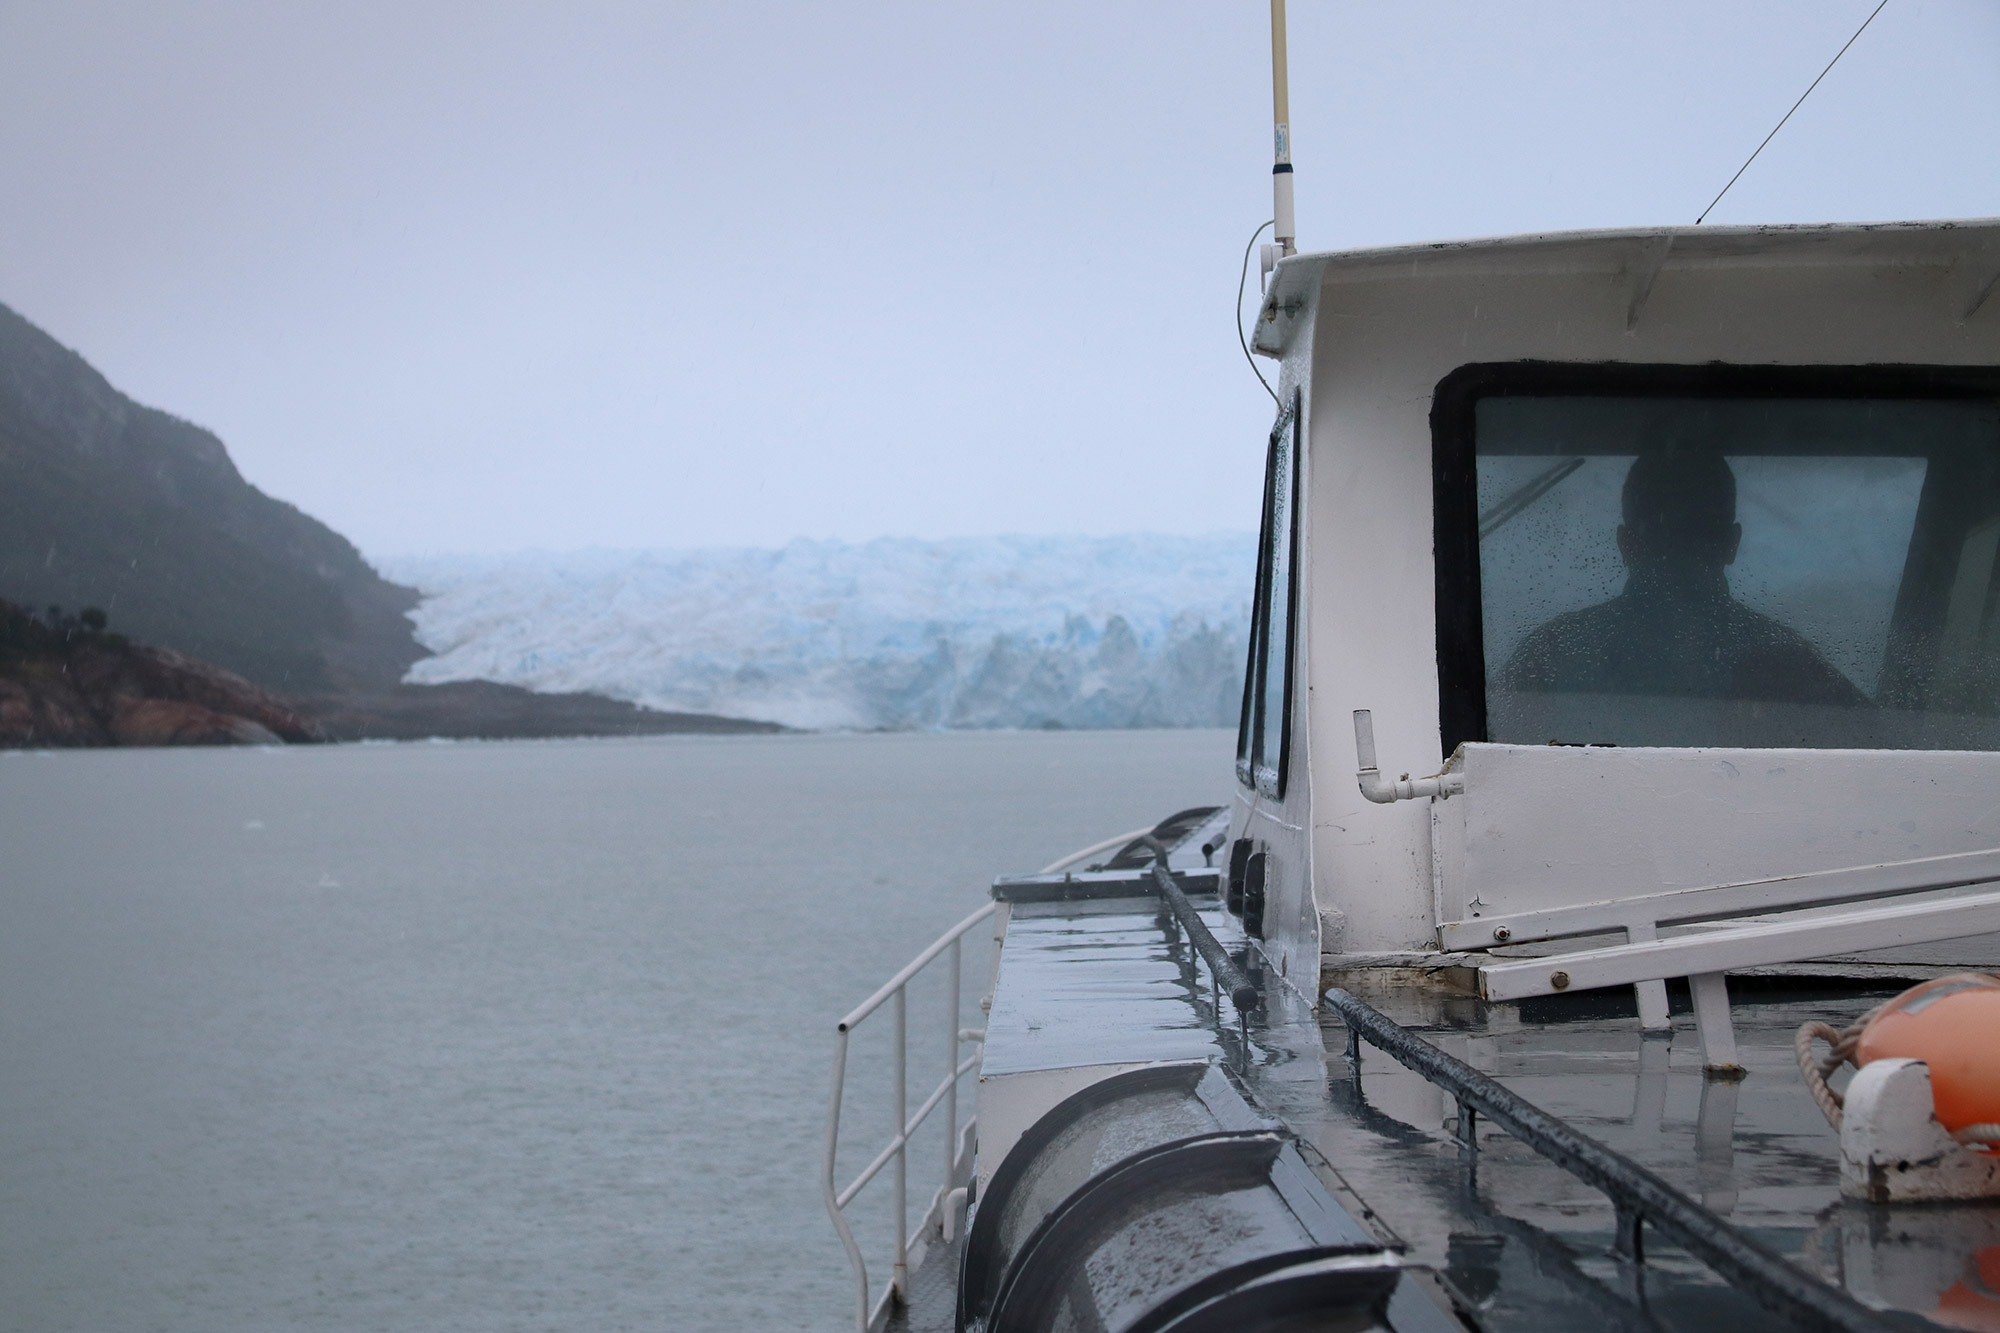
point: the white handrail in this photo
(911, 968)
(897, 1152)
(1095, 848)
(896, 1144)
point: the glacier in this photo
(1142, 630)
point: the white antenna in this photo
(1285, 232)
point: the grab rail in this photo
(1637, 1195)
(897, 988)
(1242, 991)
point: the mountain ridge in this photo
(70, 681)
(219, 596)
(112, 504)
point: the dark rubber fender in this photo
(1188, 1232)
(1083, 1136)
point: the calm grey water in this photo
(480, 1036)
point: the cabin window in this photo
(1735, 568)
(1263, 735)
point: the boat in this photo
(1621, 729)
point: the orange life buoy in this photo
(1953, 1024)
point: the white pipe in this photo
(1285, 231)
(1373, 786)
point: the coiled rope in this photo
(1816, 1071)
(1841, 1042)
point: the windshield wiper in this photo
(1500, 515)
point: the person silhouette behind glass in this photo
(1675, 629)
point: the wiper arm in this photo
(1500, 515)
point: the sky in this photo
(477, 276)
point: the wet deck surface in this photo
(1530, 1246)
(1526, 1245)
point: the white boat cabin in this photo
(1625, 612)
(1661, 566)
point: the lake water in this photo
(481, 1036)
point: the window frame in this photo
(1253, 726)
(1461, 650)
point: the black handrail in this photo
(1637, 1194)
(1243, 992)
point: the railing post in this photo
(827, 1181)
(902, 1278)
(951, 1070)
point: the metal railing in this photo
(896, 989)
(1638, 1197)
(1228, 976)
(1094, 848)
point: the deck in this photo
(1520, 1242)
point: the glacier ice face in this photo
(1132, 631)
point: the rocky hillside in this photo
(68, 681)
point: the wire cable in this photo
(1795, 106)
(1243, 281)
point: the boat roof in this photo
(1942, 243)
(1944, 239)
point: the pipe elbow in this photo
(1376, 790)
(1442, 786)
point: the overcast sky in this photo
(473, 276)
